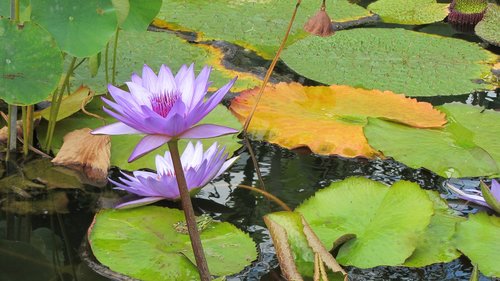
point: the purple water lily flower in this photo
(476, 196)
(164, 107)
(199, 167)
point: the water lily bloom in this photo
(199, 166)
(164, 107)
(478, 197)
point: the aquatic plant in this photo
(199, 166)
(468, 12)
(164, 108)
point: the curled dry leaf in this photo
(328, 120)
(87, 153)
(283, 250)
(319, 249)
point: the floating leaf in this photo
(143, 243)
(374, 213)
(257, 25)
(436, 244)
(329, 120)
(467, 147)
(137, 48)
(69, 104)
(141, 14)
(402, 61)
(123, 145)
(410, 12)
(30, 63)
(489, 28)
(43, 171)
(81, 28)
(477, 238)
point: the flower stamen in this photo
(163, 103)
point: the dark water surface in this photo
(41, 231)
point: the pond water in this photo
(42, 231)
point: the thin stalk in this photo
(259, 95)
(268, 195)
(187, 207)
(115, 46)
(271, 67)
(106, 70)
(56, 103)
(25, 130)
(254, 161)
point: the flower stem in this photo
(187, 206)
(115, 47)
(268, 196)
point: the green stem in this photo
(187, 207)
(25, 128)
(106, 69)
(56, 104)
(115, 46)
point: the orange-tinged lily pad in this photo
(328, 120)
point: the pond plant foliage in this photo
(75, 68)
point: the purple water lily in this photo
(199, 167)
(164, 107)
(476, 196)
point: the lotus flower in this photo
(164, 107)
(487, 197)
(199, 168)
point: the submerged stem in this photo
(187, 207)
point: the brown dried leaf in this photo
(283, 250)
(4, 131)
(323, 253)
(87, 153)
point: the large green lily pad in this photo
(144, 243)
(436, 244)
(477, 238)
(141, 14)
(410, 12)
(386, 221)
(489, 28)
(467, 147)
(30, 63)
(136, 48)
(399, 60)
(123, 145)
(257, 25)
(81, 28)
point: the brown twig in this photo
(268, 196)
(82, 107)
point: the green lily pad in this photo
(81, 28)
(386, 221)
(141, 14)
(436, 244)
(30, 63)
(136, 48)
(410, 12)
(467, 147)
(402, 61)
(489, 29)
(477, 238)
(143, 243)
(123, 145)
(257, 25)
